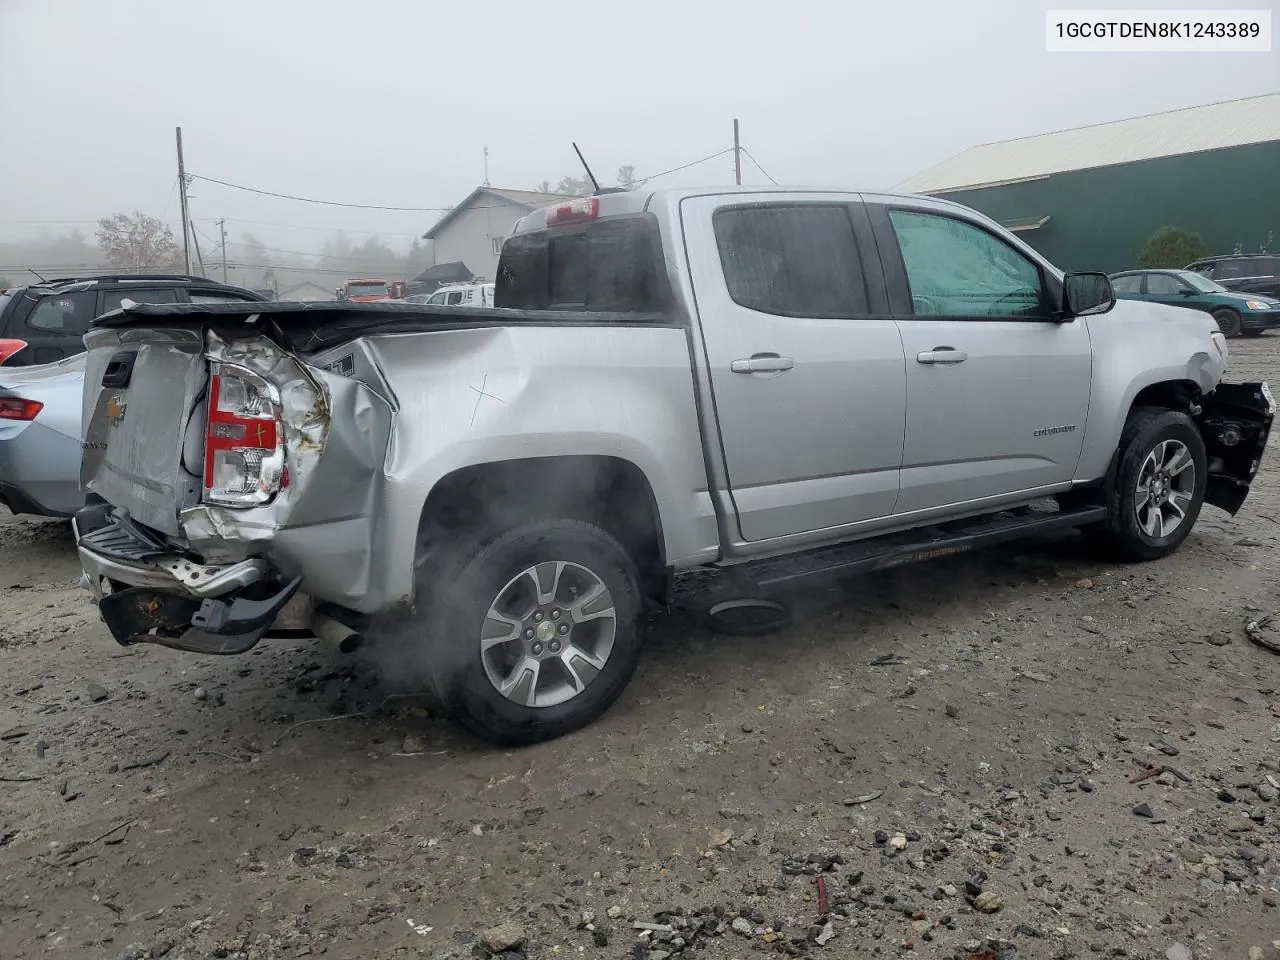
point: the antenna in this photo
(38, 277)
(590, 176)
(486, 166)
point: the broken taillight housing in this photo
(244, 439)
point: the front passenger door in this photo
(997, 391)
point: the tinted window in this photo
(454, 296)
(1231, 269)
(217, 296)
(111, 299)
(67, 313)
(1163, 285)
(611, 266)
(1129, 284)
(794, 260)
(958, 269)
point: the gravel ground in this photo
(956, 750)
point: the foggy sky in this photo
(393, 101)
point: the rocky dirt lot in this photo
(1019, 754)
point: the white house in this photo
(307, 291)
(472, 232)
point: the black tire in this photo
(1228, 322)
(452, 610)
(1120, 536)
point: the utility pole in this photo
(186, 215)
(737, 154)
(486, 166)
(222, 225)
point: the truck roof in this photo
(637, 201)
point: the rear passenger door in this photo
(807, 383)
(997, 389)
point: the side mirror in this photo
(1186, 291)
(1087, 294)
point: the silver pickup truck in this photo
(790, 382)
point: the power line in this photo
(303, 226)
(686, 166)
(758, 167)
(327, 203)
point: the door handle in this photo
(942, 355)
(762, 363)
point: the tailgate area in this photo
(139, 397)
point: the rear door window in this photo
(1130, 284)
(64, 314)
(797, 260)
(111, 299)
(1163, 285)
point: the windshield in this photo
(1201, 282)
(366, 289)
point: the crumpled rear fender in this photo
(321, 527)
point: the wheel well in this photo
(1171, 394)
(480, 502)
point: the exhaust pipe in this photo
(337, 634)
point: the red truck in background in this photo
(364, 290)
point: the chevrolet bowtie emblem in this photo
(115, 409)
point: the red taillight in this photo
(244, 439)
(9, 347)
(15, 408)
(575, 211)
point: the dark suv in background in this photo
(52, 316)
(1245, 272)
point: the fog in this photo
(394, 103)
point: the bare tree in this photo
(138, 243)
(581, 186)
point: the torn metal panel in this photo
(1235, 421)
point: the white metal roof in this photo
(1212, 126)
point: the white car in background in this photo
(457, 295)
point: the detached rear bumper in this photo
(148, 593)
(1235, 421)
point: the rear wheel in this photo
(534, 634)
(1228, 322)
(1159, 487)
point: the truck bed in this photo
(307, 327)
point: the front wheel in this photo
(534, 634)
(1159, 486)
(1228, 322)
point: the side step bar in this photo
(911, 547)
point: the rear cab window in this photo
(610, 265)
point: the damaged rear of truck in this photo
(251, 470)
